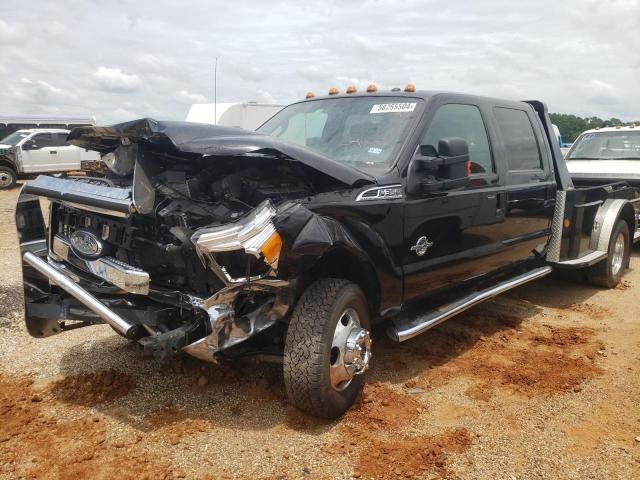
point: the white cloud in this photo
(10, 33)
(187, 97)
(40, 91)
(113, 79)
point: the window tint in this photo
(519, 139)
(465, 121)
(44, 140)
(59, 139)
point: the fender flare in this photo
(8, 162)
(605, 221)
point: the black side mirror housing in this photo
(29, 145)
(447, 168)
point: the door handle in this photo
(53, 152)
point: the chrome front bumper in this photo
(121, 325)
(128, 278)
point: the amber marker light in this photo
(351, 89)
(567, 223)
(371, 88)
(333, 91)
(410, 88)
(310, 95)
(271, 249)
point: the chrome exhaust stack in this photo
(121, 325)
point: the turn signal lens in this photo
(310, 95)
(333, 91)
(410, 88)
(351, 89)
(271, 249)
(372, 88)
(567, 223)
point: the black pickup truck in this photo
(290, 243)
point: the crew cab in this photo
(291, 243)
(605, 155)
(39, 150)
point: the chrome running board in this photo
(406, 328)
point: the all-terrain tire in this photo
(603, 274)
(307, 353)
(8, 177)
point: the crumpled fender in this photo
(308, 237)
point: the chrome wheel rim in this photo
(350, 350)
(6, 179)
(618, 254)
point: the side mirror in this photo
(444, 169)
(29, 145)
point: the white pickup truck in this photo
(27, 152)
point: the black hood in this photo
(210, 141)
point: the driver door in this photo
(450, 236)
(47, 154)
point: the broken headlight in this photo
(254, 234)
(122, 160)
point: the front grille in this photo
(114, 231)
(138, 241)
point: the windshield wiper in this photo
(588, 158)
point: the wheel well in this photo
(5, 162)
(341, 263)
(628, 214)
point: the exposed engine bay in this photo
(186, 200)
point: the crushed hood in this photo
(211, 141)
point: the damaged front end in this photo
(179, 248)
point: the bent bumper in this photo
(58, 277)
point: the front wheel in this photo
(8, 177)
(608, 273)
(328, 348)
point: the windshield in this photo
(14, 138)
(363, 132)
(622, 145)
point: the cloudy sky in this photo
(122, 60)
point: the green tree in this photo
(570, 125)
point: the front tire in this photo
(608, 273)
(8, 178)
(327, 348)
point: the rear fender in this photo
(606, 219)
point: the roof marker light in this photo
(410, 88)
(310, 95)
(333, 91)
(371, 88)
(351, 89)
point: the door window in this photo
(60, 139)
(44, 140)
(464, 121)
(519, 139)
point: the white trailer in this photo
(248, 115)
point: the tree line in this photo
(571, 126)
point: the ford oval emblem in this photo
(86, 244)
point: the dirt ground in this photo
(543, 382)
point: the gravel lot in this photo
(543, 382)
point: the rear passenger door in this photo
(529, 187)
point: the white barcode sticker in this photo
(393, 107)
